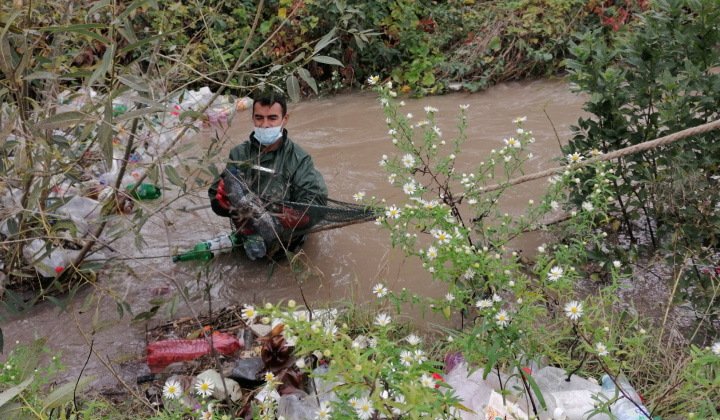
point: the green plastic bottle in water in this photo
(145, 191)
(208, 249)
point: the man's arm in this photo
(309, 183)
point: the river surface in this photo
(347, 136)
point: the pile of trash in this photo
(250, 352)
(81, 179)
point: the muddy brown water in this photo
(347, 136)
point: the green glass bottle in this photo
(209, 249)
(145, 191)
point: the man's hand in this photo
(221, 196)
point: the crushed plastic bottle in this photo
(165, 352)
(145, 191)
(624, 408)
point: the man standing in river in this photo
(275, 169)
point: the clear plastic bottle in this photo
(630, 408)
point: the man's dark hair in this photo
(271, 98)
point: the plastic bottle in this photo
(208, 249)
(145, 191)
(165, 352)
(630, 408)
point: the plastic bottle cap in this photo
(59, 269)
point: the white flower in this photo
(269, 376)
(409, 188)
(300, 363)
(372, 80)
(392, 132)
(595, 152)
(408, 161)
(502, 318)
(409, 115)
(469, 273)
(392, 212)
(482, 304)
(359, 196)
(511, 142)
(442, 236)
(601, 349)
(406, 358)
(716, 348)
(384, 101)
(554, 205)
(574, 158)
(422, 123)
(507, 158)
(379, 220)
(519, 119)
(587, 206)
(520, 131)
(617, 264)
(419, 356)
(413, 339)
(389, 84)
(380, 290)
(364, 408)
(248, 313)
(449, 297)
(464, 107)
(541, 249)
(429, 109)
(324, 412)
(352, 402)
(391, 178)
(437, 131)
(400, 399)
(205, 387)
(172, 390)
(431, 253)
(382, 320)
(574, 310)
(512, 409)
(472, 201)
(427, 381)
(496, 297)
(555, 274)
(402, 103)
(208, 414)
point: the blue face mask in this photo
(269, 135)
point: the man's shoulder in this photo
(295, 149)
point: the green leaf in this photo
(104, 66)
(192, 114)
(13, 392)
(327, 60)
(97, 6)
(131, 8)
(7, 66)
(92, 35)
(62, 120)
(65, 393)
(173, 176)
(134, 82)
(143, 42)
(105, 132)
(30, 357)
(327, 39)
(308, 79)
(494, 44)
(293, 88)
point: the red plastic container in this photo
(165, 352)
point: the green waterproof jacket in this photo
(295, 178)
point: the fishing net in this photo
(279, 220)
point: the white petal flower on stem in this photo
(427, 381)
(352, 402)
(384, 101)
(587, 206)
(519, 119)
(437, 131)
(595, 152)
(408, 161)
(172, 390)
(512, 409)
(469, 273)
(392, 132)
(574, 158)
(406, 358)
(574, 310)
(324, 411)
(502, 318)
(248, 313)
(716, 348)
(382, 320)
(464, 107)
(400, 399)
(364, 408)
(413, 339)
(429, 109)
(359, 195)
(555, 274)
(484, 303)
(511, 142)
(496, 297)
(616, 264)
(419, 356)
(449, 297)
(443, 237)
(409, 115)
(422, 123)
(601, 349)
(380, 290)
(392, 212)
(554, 205)
(372, 80)
(205, 387)
(269, 376)
(409, 188)
(391, 178)
(431, 253)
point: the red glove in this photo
(291, 218)
(221, 196)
